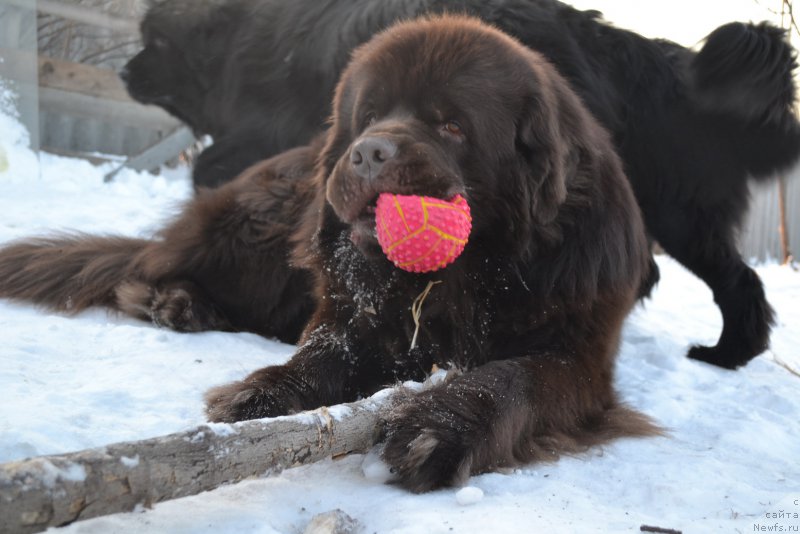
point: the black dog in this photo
(691, 128)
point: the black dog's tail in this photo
(746, 70)
(67, 273)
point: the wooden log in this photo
(56, 490)
(79, 78)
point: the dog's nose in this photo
(369, 155)
(123, 74)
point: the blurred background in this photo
(683, 21)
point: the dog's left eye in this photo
(453, 128)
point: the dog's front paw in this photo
(426, 449)
(257, 396)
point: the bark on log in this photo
(57, 490)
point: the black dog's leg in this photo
(747, 319)
(228, 157)
(651, 280)
(739, 294)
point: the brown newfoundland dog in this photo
(530, 313)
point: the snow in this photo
(469, 495)
(731, 461)
(49, 474)
(130, 462)
(374, 469)
(684, 21)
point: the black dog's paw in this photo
(426, 450)
(715, 356)
(259, 395)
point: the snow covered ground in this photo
(732, 459)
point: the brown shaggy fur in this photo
(531, 311)
(223, 264)
(534, 306)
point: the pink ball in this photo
(422, 234)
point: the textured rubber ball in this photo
(422, 234)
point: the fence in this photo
(72, 108)
(760, 237)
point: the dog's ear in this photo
(546, 142)
(213, 34)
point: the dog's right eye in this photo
(159, 42)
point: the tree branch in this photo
(659, 530)
(57, 490)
